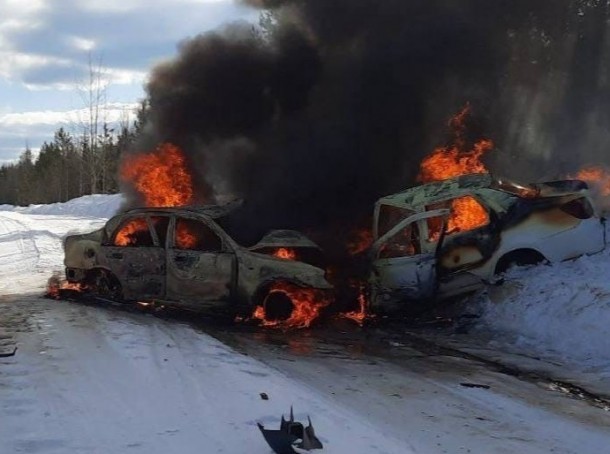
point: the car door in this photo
(136, 257)
(201, 263)
(401, 269)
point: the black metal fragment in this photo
(291, 434)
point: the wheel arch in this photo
(519, 256)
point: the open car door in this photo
(401, 270)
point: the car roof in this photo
(425, 194)
(212, 211)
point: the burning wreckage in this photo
(183, 256)
(450, 237)
(431, 242)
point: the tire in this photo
(278, 306)
(106, 285)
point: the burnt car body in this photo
(182, 256)
(417, 259)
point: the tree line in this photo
(71, 165)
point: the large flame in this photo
(454, 160)
(160, 177)
(307, 306)
(162, 180)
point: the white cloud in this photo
(123, 6)
(23, 121)
(80, 43)
(22, 8)
(125, 76)
(13, 64)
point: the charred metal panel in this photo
(81, 251)
(199, 277)
(460, 256)
(257, 271)
(140, 270)
(418, 197)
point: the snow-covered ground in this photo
(88, 379)
(559, 311)
(31, 238)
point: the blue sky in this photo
(45, 47)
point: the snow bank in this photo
(96, 205)
(560, 310)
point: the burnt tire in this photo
(520, 257)
(278, 306)
(106, 285)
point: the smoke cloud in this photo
(332, 104)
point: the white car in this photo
(451, 237)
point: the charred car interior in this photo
(451, 237)
(181, 256)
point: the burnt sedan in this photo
(182, 256)
(450, 237)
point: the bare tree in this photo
(93, 92)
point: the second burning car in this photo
(450, 237)
(183, 256)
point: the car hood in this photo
(284, 238)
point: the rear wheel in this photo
(106, 285)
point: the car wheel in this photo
(278, 306)
(106, 285)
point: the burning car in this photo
(182, 256)
(450, 237)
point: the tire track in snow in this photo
(18, 250)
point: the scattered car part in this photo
(7, 353)
(292, 436)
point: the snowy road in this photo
(97, 379)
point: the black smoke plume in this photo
(334, 102)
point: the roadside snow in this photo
(96, 205)
(557, 311)
(31, 238)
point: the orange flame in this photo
(185, 237)
(128, 234)
(285, 253)
(160, 177)
(55, 285)
(308, 304)
(597, 177)
(359, 240)
(361, 314)
(455, 159)
(452, 161)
